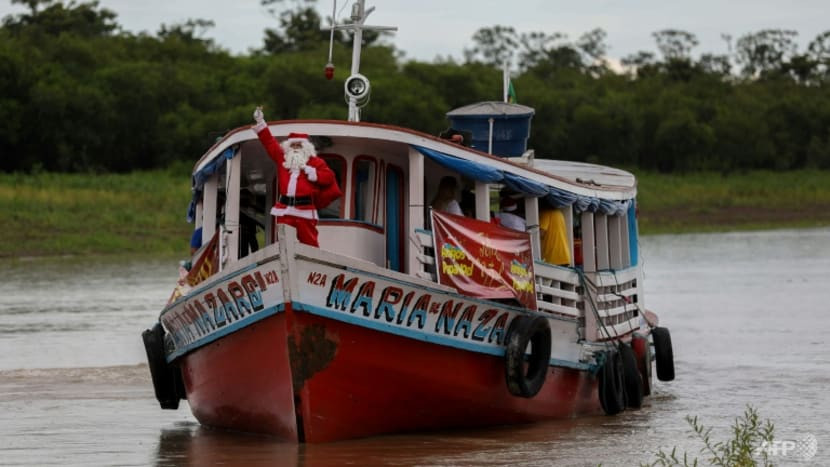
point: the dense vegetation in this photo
(79, 94)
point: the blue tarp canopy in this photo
(200, 177)
(557, 197)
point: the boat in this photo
(405, 318)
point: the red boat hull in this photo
(243, 381)
(348, 381)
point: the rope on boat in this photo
(588, 285)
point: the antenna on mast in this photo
(356, 85)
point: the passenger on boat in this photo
(445, 198)
(461, 137)
(468, 203)
(510, 213)
(306, 183)
(554, 237)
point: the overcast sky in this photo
(427, 28)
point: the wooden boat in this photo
(405, 318)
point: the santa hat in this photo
(508, 204)
(298, 136)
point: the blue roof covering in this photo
(555, 196)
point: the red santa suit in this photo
(302, 190)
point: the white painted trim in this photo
(589, 259)
(601, 235)
(233, 176)
(614, 243)
(569, 227)
(404, 136)
(209, 196)
(482, 201)
(532, 223)
(415, 212)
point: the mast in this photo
(357, 85)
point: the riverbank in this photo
(143, 213)
(712, 202)
(72, 214)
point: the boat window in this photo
(338, 166)
(365, 176)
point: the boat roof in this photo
(579, 178)
(492, 108)
(584, 173)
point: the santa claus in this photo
(306, 183)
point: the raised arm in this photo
(268, 142)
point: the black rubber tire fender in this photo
(610, 387)
(642, 350)
(632, 380)
(526, 379)
(166, 377)
(663, 353)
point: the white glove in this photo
(310, 172)
(259, 118)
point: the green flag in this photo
(511, 93)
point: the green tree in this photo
(762, 53)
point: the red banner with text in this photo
(484, 260)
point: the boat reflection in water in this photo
(193, 444)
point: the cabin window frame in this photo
(374, 187)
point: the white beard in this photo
(297, 158)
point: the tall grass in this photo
(752, 200)
(72, 214)
(144, 212)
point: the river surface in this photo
(749, 315)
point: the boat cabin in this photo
(388, 175)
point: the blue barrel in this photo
(511, 126)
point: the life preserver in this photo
(642, 349)
(663, 353)
(632, 380)
(167, 381)
(526, 380)
(610, 387)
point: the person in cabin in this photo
(510, 212)
(445, 198)
(248, 223)
(554, 238)
(468, 203)
(462, 137)
(306, 183)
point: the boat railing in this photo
(425, 255)
(612, 306)
(557, 290)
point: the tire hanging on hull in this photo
(642, 349)
(167, 378)
(632, 380)
(523, 330)
(610, 388)
(663, 353)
